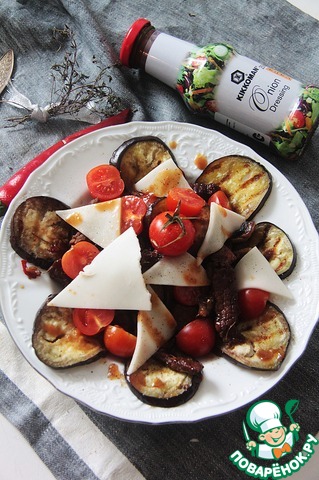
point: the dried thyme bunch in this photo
(74, 95)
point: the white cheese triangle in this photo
(154, 329)
(222, 224)
(113, 280)
(100, 222)
(179, 271)
(162, 179)
(254, 271)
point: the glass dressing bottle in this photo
(236, 91)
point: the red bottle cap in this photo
(130, 39)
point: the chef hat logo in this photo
(264, 416)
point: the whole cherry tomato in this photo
(252, 302)
(171, 234)
(187, 295)
(197, 338)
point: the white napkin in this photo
(67, 418)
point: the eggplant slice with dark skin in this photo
(165, 380)
(155, 208)
(168, 379)
(37, 233)
(260, 343)
(58, 343)
(273, 243)
(246, 182)
(136, 157)
(200, 224)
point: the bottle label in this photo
(258, 96)
(165, 56)
(261, 137)
(249, 97)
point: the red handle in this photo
(10, 189)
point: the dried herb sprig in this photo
(76, 90)
(73, 93)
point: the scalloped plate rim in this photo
(146, 414)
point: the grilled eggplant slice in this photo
(274, 244)
(246, 182)
(155, 208)
(260, 343)
(138, 156)
(157, 384)
(58, 343)
(56, 273)
(37, 234)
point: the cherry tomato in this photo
(298, 119)
(149, 199)
(187, 295)
(91, 321)
(119, 342)
(190, 204)
(79, 255)
(197, 338)
(252, 302)
(220, 198)
(180, 89)
(171, 237)
(133, 210)
(104, 182)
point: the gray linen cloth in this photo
(273, 32)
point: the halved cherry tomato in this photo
(104, 182)
(190, 204)
(79, 255)
(252, 302)
(171, 234)
(119, 342)
(133, 210)
(148, 198)
(197, 338)
(220, 198)
(91, 321)
(187, 295)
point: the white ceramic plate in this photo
(225, 386)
